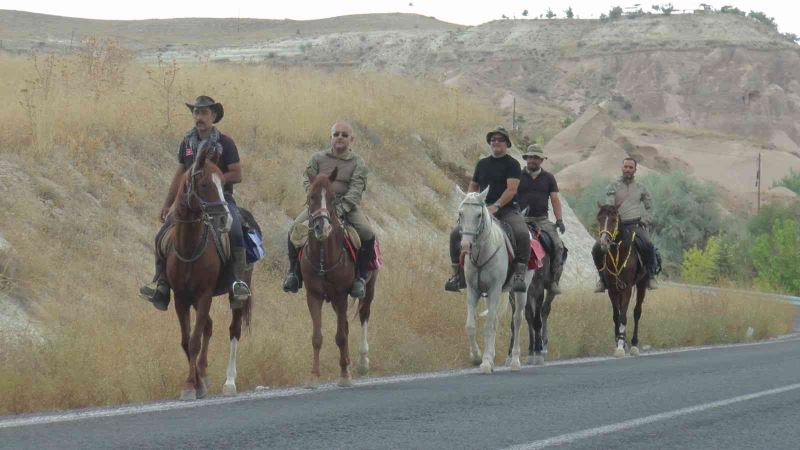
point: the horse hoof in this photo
(619, 352)
(202, 389)
(189, 394)
(634, 351)
(486, 368)
(229, 389)
(345, 382)
(515, 365)
(475, 359)
(538, 360)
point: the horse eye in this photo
(204, 185)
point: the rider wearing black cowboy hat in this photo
(205, 113)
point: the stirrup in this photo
(240, 291)
(156, 293)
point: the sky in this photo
(785, 12)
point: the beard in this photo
(627, 176)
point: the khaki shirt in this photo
(351, 176)
(631, 199)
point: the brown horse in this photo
(193, 267)
(329, 273)
(622, 271)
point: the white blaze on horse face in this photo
(228, 217)
(326, 227)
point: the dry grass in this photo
(686, 132)
(85, 158)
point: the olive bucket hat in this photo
(205, 101)
(534, 150)
(501, 131)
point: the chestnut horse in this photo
(622, 271)
(329, 273)
(193, 267)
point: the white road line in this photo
(607, 429)
(96, 413)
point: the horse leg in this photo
(235, 333)
(548, 302)
(511, 324)
(619, 350)
(641, 290)
(490, 330)
(363, 316)
(202, 308)
(531, 334)
(622, 322)
(315, 309)
(520, 300)
(472, 305)
(342, 331)
(538, 359)
(184, 317)
(202, 361)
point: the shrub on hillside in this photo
(776, 256)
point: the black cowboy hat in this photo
(502, 132)
(205, 101)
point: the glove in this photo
(560, 226)
(340, 211)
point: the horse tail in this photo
(247, 313)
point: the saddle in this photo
(222, 242)
(298, 236)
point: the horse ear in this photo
(333, 174)
(599, 205)
(483, 194)
(525, 211)
(460, 192)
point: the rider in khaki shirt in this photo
(635, 210)
(350, 183)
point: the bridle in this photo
(322, 214)
(616, 268)
(477, 235)
(210, 213)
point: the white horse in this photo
(486, 268)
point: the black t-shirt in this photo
(535, 194)
(230, 155)
(494, 173)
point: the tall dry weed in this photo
(83, 176)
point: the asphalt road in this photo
(745, 396)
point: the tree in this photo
(763, 18)
(550, 14)
(525, 13)
(790, 181)
(568, 12)
(615, 13)
(776, 257)
(702, 266)
(667, 9)
(728, 9)
(685, 214)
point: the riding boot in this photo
(157, 292)
(292, 283)
(240, 292)
(365, 256)
(518, 279)
(457, 281)
(601, 283)
(652, 269)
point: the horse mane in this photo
(607, 210)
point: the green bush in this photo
(776, 256)
(702, 266)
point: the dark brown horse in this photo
(329, 272)
(193, 267)
(622, 271)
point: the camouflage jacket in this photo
(632, 199)
(351, 176)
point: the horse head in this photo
(320, 197)
(474, 217)
(608, 224)
(203, 189)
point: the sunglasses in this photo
(343, 134)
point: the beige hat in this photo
(534, 150)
